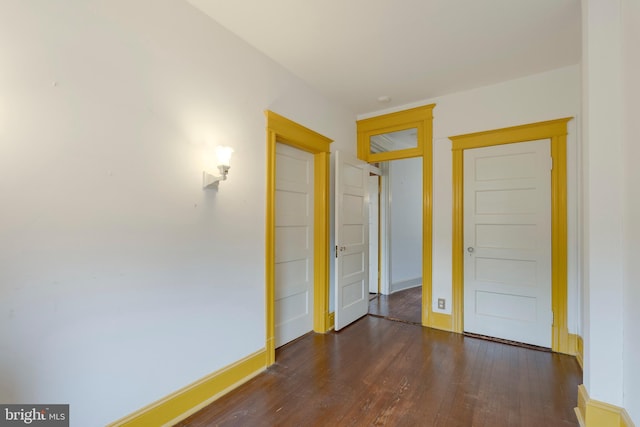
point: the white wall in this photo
(405, 228)
(547, 96)
(121, 279)
(612, 202)
(631, 134)
(603, 202)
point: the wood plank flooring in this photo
(382, 372)
(403, 305)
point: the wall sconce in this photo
(224, 156)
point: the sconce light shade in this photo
(223, 155)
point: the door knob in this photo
(470, 249)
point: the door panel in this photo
(507, 233)
(352, 239)
(293, 244)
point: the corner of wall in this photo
(593, 413)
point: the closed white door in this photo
(507, 235)
(352, 239)
(294, 244)
(374, 211)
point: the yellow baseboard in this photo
(581, 409)
(440, 321)
(580, 351)
(593, 413)
(625, 419)
(190, 399)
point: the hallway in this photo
(382, 372)
(403, 306)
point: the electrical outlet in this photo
(441, 303)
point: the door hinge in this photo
(336, 251)
(550, 163)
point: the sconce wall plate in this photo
(212, 181)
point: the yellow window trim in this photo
(556, 131)
(280, 129)
(420, 118)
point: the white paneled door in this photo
(294, 244)
(352, 239)
(507, 235)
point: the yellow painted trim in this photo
(457, 244)
(593, 413)
(280, 129)
(581, 409)
(510, 135)
(190, 399)
(556, 131)
(419, 118)
(559, 298)
(579, 350)
(625, 419)
(422, 119)
(441, 321)
(428, 316)
(270, 253)
(321, 242)
(297, 135)
(331, 320)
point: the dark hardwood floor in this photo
(404, 305)
(382, 372)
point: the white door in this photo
(374, 211)
(507, 235)
(352, 239)
(294, 244)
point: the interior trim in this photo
(282, 130)
(579, 349)
(188, 400)
(556, 131)
(420, 118)
(593, 413)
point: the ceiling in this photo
(356, 51)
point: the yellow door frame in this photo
(285, 131)
(420, 118)
(556, 131)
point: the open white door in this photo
(352, 239)
(507, 234)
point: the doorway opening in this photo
(401, 231)
(402, 135)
